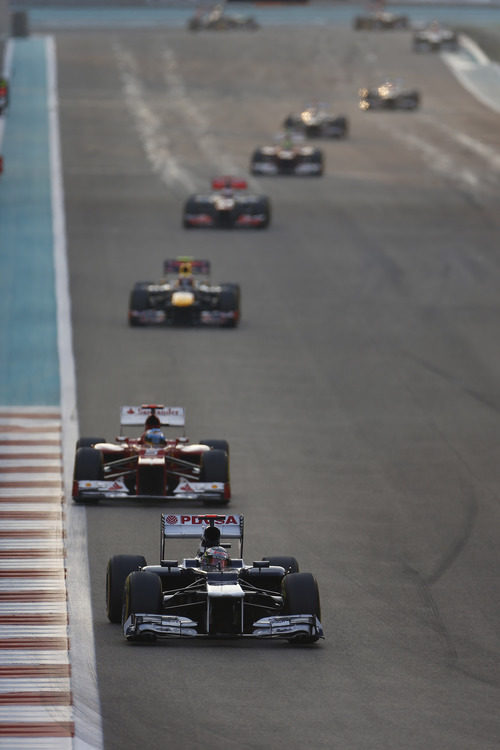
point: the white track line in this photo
(87, 713)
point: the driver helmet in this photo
(215, 558)
(155, 438)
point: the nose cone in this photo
(182, 299)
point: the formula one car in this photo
(151, 466)
(216, 20)
(316, 122)
(289, 156)
(227, 208)
(4, 94)
(435, 38)
(185, 301)
(389, 95)
(380, 21)
(211, 595)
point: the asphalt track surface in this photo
(360, 395)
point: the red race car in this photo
(151, 466)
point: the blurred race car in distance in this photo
(211, 595)
(289, 156)
(185, 300)
(151, 466)
(389, 95)
(216, 19)
(380, 21)
(226, 207)
(4, 94)
(435, 38)
(316, 122)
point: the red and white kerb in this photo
(35, 691)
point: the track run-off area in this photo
(359, 395)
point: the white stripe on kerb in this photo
(31, 608)
(34, 684)
(32, 656)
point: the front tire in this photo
(214, 467)
(88, 465)
(119, 567)
(139, 302)
(301, 597)
(142, 594)
(229, 301)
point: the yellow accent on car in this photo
(182, 299)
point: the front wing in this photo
(241, 221)
(86, 490)
(283, 167)
(160, 317)
(145, 627)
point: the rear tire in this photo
(119, 567)
(88, 442)
(220, 445)
(290, 564)
(142, 594)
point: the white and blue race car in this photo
(211, 595)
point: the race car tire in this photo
(214, 466)
(220, 445)
(421, 46)
(290, 564)
(88, 442)
(139, 301)
(291, 122)
(263, 206)
(412, 100)
(301, 597)
(343, 123)
(259, 158)
(190, 207)
(317, 158)
(229, 301)
(88, 464)
(119, 567)
(142, 593)
(194, 206)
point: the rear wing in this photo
(173, 416)
(186, 266)
(235, 183)
(175, 526)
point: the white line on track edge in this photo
(86, 705)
